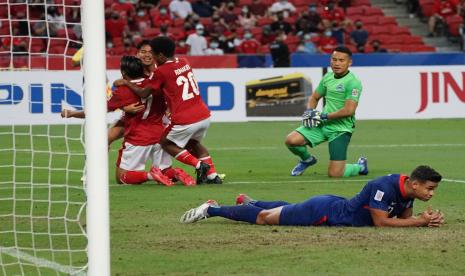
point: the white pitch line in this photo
(453, 180)
(353, 146)
(15, 253)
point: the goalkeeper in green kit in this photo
(335, 123)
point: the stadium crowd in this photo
(217, 27)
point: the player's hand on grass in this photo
(119, 82)
(437, 219)
(133, 108)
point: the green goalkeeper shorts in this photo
(338, 141)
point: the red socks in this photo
(169, 172)
(187, 158)
(134, 177)
(209, 161)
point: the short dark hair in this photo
(132, 67)
(425, 173)
(164, 45)
(142, 44)
(343, 49)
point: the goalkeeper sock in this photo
(300, 151)
(211, 174)
(134, 177)
(169, 172)
(187, 158)
(352, 170)
(247, 213)
(269, 204)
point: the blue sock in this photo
(270, 204)
(247, 213)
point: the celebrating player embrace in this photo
(190, 116)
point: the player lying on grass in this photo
(142, 133)
(384, 201)
(190, 116)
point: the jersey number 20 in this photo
(189, 86)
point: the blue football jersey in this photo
(384, 193)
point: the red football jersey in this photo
(143, 128)
(177, 83)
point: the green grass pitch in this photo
(147, 238)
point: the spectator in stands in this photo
(282, 6)
(249, 45)
(359, 36)
(258, 8)
(180, 9)
(141, 20)
(125, 8)
(280, 52)
(413, 7)
(228, 15)
(267, 35)
(196, 42)
(217, 5)
(229, 41)
(334, 14)
(441, 10)
(308, 22)
(246, 19)
(376, 45)
(327, 42)
(116, 27)
(147, 4)
(164, 32)
(194, 20)
(217, 27)
(39, 28)
(162, 18)
(308, 44)
(55, 19)
(280, 24)
(214, 49)
(202, 8)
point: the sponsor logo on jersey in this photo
(379, 195)
(354, 92)
(340, 88)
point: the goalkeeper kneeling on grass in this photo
(386, 201)
(335, 124)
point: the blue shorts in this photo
(312, 212)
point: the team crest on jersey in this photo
(379, 195)
(340, 88)
(354, 92)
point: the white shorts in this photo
(134, 158)
(181, 134)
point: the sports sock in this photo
(352, 170)
(211, 174)
(169, 172)
(134, 177)
(247, 213)
(300, 151)
(269, 204)
(187, 158)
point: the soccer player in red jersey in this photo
(190, 116)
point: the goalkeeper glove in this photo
(312, 118)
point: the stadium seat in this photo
(377, 30)
(245, 2)
(264, 21)
(386, 20)
(426, 7)
(371, 11)
(357, 3)
(150, 32)
(355, 11)
(369, 20)
(38, 62)
(453, 24)
(398, 30)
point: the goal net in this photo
(42, 157)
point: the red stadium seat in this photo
(372, 11)
(356, 3)
(426, 7)
(150, 32)
(264, 21)
(377, 30)
(355, 11)
(369, 20)
(398, 30)
(245, 2)
(453, 24)
(386, 20)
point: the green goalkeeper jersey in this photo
(336, 91)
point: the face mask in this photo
(163, 11)
(109, 45)
(140, 13)
(213, 45)
(307, 37)
(245, 10)
(200, 32)
(312, 9)
(328, 33)
(182, 44)
(122, 1)
(222, 38)
(247, 35)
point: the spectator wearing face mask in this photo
(282, 6)
(308, 22)
(359, 36)
(217, 27)
(246, 19)
(164, 32)
(196, 42)
(307, 45)
(249, 45)
(280, 52)
(162, 18)
(115, 26)
(228, 15)
(280, 24)
(327, 43)
(333, 14)
(214, 49)
(141, 20)
(124, 8)
(376, 45)
(180, 9)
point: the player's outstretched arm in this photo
(141, 92)
(66, 113)
(427, 218)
